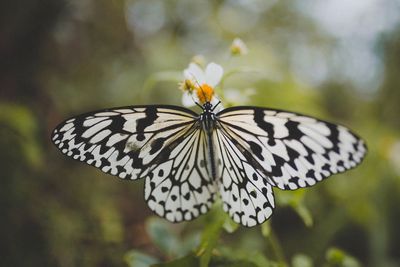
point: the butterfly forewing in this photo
(293, 150)
(122, 141)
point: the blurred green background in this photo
(338, 60)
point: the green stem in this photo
(210, 238)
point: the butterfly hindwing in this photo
(293, 150)
(246, 193)
(186, 189)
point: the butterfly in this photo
(188, 159)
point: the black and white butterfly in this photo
(187, 159)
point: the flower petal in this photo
(214, 74)
(194, 73)
(187, 100)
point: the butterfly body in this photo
(187, 159)
(208, 121)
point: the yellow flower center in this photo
(187, 85)
(205, 93)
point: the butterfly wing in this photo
(292, 150)
(162, 143)
(245, 191)
(122, 141)
(186, 190)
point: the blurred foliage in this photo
(60, 58)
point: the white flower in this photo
(238, 47)
(203, 81)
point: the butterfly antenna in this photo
(198, 104)
(219, 102)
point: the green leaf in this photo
(304, 214)
(189, 243)
(139, 259)
(163, 236)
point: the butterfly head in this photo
(207, 106)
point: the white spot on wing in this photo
(115, 138)
(317, 136)
(195, 179)
(66, 127)
(92, 121)
(312, 144)
(106, 114)
(319, 127)
(96, 128)
(100, 136)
